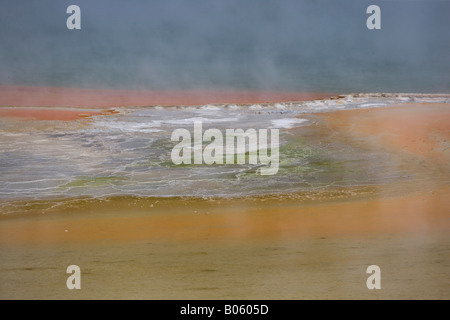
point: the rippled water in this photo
(128, 153)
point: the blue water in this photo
(301, 45)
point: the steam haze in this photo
(277, 45)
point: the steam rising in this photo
(227, 44)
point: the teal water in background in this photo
(279, 45)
